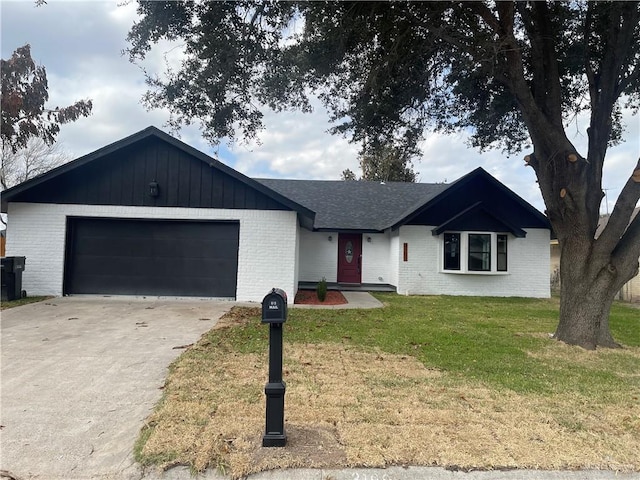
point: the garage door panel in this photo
(157, 257)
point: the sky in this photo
(80, 44)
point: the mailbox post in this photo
(274, 312)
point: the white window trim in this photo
(464, 253)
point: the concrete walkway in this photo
(354, 299)
(81, 374)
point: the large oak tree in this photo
(511, 74)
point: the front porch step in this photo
(350, 287)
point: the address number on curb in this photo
(371, 476)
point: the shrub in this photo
(321, 289)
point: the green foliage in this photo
(347, 174)
(502, 342)
(385, 70)
(386, 163)
(24, 94)
(321, 289)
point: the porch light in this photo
(369, 239)
(154, 190)
(330, 238)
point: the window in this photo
(475, 252)
(501, 252)
(479, 252)
(452, 251)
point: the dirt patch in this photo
(310, 297)
(309, 446)
(238, 316)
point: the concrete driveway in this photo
(81, 374)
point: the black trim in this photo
(473, 210)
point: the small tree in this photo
(347, 174)
(383, 163)
(24, 94)
(321, 289)
(33, 160)
(386, 163)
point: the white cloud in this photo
(297, 145)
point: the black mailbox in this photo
(274, 306)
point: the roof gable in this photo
(120, 174)
(478, 186)
(479, 218)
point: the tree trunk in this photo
(586, 295)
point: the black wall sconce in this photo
(369, 239)
(154, 189)
(330, 238)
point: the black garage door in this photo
(151, 257)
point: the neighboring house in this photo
(630, 292)
(150, 215)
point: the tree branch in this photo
(620, 216)
(627, 251)
(553, 96)
(591, 75)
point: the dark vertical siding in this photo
(162, 176)
(499, 202)
(151, 159)
(115, 172)
(123, 177)
(127, 179)
(184, 171)
(217, 190)
(206, 187)
(195, 181)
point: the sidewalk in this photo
(355, 299)
(401, 473)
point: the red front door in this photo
(349, 258)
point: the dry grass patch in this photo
(348, 407)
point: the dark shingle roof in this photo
(355, 205)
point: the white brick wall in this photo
(266, 256)
(375, 258)
(318, 256)
(394, 257)
(528, 262)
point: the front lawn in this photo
(451, 381)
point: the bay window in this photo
(479, 252)
(475, 252)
